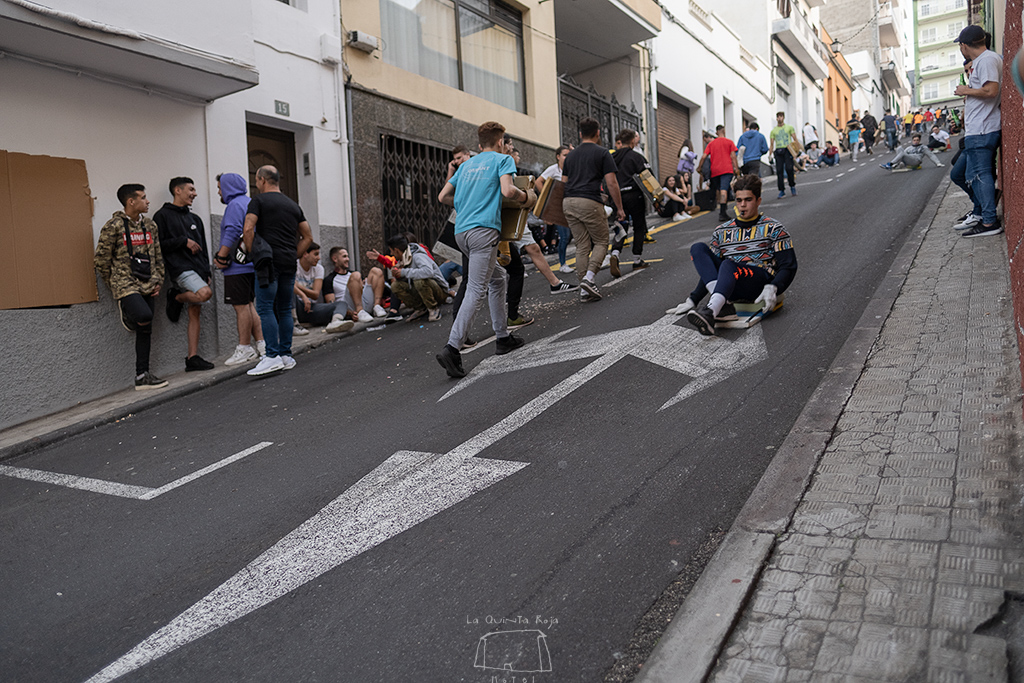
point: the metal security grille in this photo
(412, 175)
(577, 102)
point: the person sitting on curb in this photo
(829, 155)
(350, 295)
(813, 154)
(750, 257)
(417, 280)
(309, 283)
(912, 155)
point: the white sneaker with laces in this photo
(298, 331)
(607, 261)
(261, 348)
(379, 312)
(266, 366)
(364, 317)
(677, 217)
(339, 323)
(242, 354)
(288, 361)
(969, 221)
(682, 308)
(566, 268)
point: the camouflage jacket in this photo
(111, 259)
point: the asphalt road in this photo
(568, 519)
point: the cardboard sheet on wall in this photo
(46, 239)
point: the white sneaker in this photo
(566, 268)
(288, 361)
(969, 221)
(677, 217)
(607, 261)
(261, 348)
(682, 308)
(242, 354)
(266, 366)
(379, 312)
(299, 331)
(364, 317)
(339, 323)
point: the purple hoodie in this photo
(233, 189)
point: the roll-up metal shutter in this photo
(673, 128)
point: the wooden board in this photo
(549, 204)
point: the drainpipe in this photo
(351, 172)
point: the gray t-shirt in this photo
(981, 114)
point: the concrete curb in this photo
(693, 641)
(39, 433)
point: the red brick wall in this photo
(1012, 176)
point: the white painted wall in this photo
(223, 27)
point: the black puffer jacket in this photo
(177, 225)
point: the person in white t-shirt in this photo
(309, 280)
(349, 296)
(564, 234)
(938, 139)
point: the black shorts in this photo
(239, 289)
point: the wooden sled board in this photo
(747, 315)
(549, 204)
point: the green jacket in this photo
(111, 259)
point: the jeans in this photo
(448, 268)
(958, 174)
(890, 138)
(274, 306)
(980, 151)
(564, 236)
(483, 280)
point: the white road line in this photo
(112, 488)
(479, 345)
(840, 175)
(624, 277)
(852, 169)
(109, 488)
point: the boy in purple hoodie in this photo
(239, 279)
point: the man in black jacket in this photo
(629, 162)
(183, 242)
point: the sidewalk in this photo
(902, 547)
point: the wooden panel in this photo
(47, 232)
(673, 128)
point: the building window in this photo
(955, 5)
(955, 28)
(472, 45)
(929, 91)
(952, 85)
(924, 9)
(929, 35)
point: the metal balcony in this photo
(890, 27)
(797, 35)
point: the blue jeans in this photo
(564, 237)
(980, 151)
(274, 306)
(734, 281)
(958, 174)
(449, 267)
(890, 138)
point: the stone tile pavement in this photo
(909, 535)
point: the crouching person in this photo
(417, 279)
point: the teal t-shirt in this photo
(477, 184)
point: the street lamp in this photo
(891, 65)
(837, 45)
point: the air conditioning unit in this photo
(362, 41)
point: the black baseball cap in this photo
(971, 34)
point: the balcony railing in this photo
(577, 102)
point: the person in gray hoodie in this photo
(239, 279)
(417, 279)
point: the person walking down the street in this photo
(870, 126)
(749, 258)
(183, 245)
(585, 169)
(982, 125)
(853, 135)
(780, 138)
(890, 125)
(908, 123)
(129, 261)
(239, 278)
(722, 153)
(754, 146)
(278, 222)
(475, 190)
(628, 163)
(918, 122)
(912, 155)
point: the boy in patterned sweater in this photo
(750, 257)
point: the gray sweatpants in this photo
(484, 279)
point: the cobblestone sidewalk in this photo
(909, 536)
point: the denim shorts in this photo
(189, 281)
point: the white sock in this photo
(615, 252)
(716, 303)
(711, 286)
(589, 277)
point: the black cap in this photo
(971, 34)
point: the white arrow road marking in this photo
(113, 488)
(410, 487)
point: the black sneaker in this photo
(563, 287)
(980, 230)
(173, 305)
(505, 344)
(591, 290)
(127, 322)
(149, 381)
(451, 361)
(194, 363)
(640, 263)
(703, 319)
